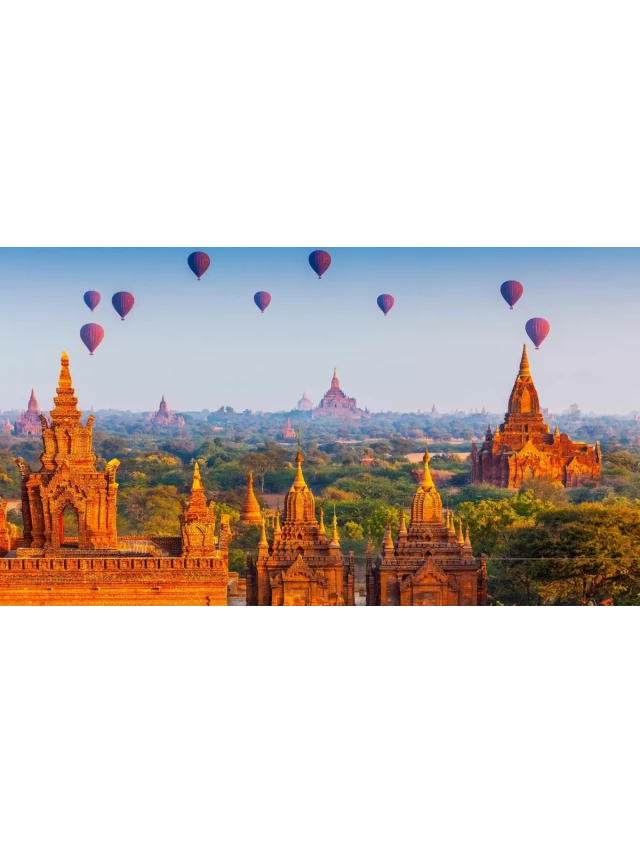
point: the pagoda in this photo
(304, 404)
(431, 562)
(29, 423)
(251, 512)
(46, 566)
(523, 447)
(164, 417)
(301, 565)
(336, 404)
(288, 431)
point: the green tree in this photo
(489, 519)
(577, 555)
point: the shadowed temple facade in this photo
(431, 562)
(95, 566)
(524, 447)
(301, 565)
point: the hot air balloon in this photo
(92, 335)
(123, 303)
(91, 299)
(385, 303)
(537, 329)
(511, 291)
(262, 299)
(320, 261)
(198, 263)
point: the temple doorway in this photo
(69, 528)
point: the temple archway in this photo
(69, 527)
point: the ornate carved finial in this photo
(402, 531)
(263, 535)
(525, 370)
(427, 479)
(335, 540)
(321, 528)
(196, 485)
(299, 482)
(460, 535)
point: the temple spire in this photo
(299, 482)
(402, 530)
(65, 403)
(251, 512)
(335, 382)
(387, 542)
(427, 479)
(196, 485)
(321, 529)
(525, 370)
(33, 403)
(263, 536)
(335, 540)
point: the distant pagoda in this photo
(523, 447)
(164, 417)
(30, 422)
(288, 431)
(336, 404)
(305, 404)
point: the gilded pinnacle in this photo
(524, 363)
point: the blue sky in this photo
(450, 338)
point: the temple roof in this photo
(427, 504)
(524, 397)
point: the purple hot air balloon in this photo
(92, 335)
(385, 303)
(511, 291)
(537, 329)
(123, 303)
(262, 299)
(91, 299)
(198, 263)
(320, 262)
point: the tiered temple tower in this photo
(251, 512)
(164, 417)
(288, 431)
(523, 446)
(305, 404)
(336, 404)
(43, 567)
(29, 423)
(68, 478)
(430, 563)
(301, 565)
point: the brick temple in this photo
(48, 566)
(29, 423)
(431, 562)
(336, 404)
(301, 565)
(164, 417)
(523, 446)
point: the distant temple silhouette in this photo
(29, 422)
(164, 417)
(336, 404)
(305, 404)
(288, 431)
(523, 446)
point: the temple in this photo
(305, 404)
(301, 565)
(251, 512)
(336, 404)
(523, 446)
(49, 564)
(164, 417)
(288, 431)
(29, 422)
(431, 562)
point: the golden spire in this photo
(321, 529)
(263, 536)
(402, 530)
(467, 538)
(196, 485)
(387, 542)
(427, 479)
(251, 512)
(460, 536)
(299, 482)
(334, 536)
(65, 403)
(277, 530)
(525, 370)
